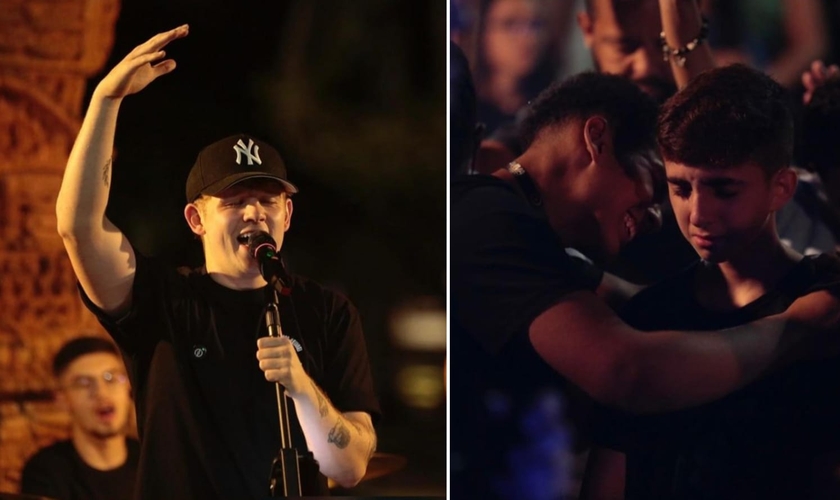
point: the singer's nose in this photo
(254, 212)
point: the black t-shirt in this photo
(776, 438)
(507, 267)
(207, 417)
(58, 472)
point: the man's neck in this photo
(747, 276)
(249, 280)
(238, 282)
(100, 453)
(544, 170)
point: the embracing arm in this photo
(100, 254)
(641, 372)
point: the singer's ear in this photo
(289, 208)
(193, 215)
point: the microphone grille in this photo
(261, 241)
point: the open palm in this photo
(137, 70)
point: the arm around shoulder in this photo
(619, 366)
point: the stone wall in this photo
(48, 50)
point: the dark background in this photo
(352, 94)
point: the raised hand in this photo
(816, 76)
(137, 70)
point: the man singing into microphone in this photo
(195, 343)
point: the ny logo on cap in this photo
(241, 149)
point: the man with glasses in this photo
(98, 461)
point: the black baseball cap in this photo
(233, 160)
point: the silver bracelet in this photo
(679, 54)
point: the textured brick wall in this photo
(48, 49)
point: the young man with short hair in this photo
(196, 342)
(98, 461)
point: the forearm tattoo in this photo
(322, 401)
(339, 435)
(106, 172)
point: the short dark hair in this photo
(725, 117)
(79, 347)
(631, 113)
(820, 123)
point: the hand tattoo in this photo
(339, 435)
(106, 172)
(322, 401)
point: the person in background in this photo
(820, 148)
(779, 37)
(98, 462)
(512, 65)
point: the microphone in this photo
(263, 248)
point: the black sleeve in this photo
(507, 267)
(347, 378)
(824, 275)
(46, 476)
(133, 329)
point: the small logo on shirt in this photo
(199, 351)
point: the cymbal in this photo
(381, 464)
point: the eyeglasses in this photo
(89, 382)
(518, 26)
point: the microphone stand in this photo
(294, 473)
(288, 467)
